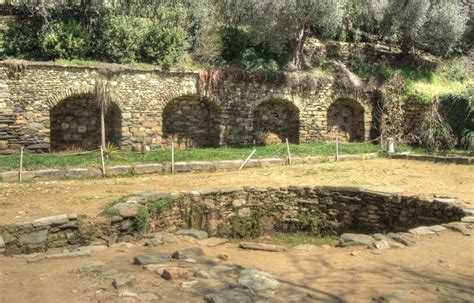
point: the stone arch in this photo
(346, 120)
(275, 120)
(75, 124)
(77, 90)
(191, 122)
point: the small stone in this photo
(256, 279)
(382, 245)
(228, 296)
(457, 227)
(380, 237)
(211, 261)
(195, 233)
(128, 293)
(348, 239)
(126, 210)
(421, 231)
(156, 258)
(174, 273)
(262, 246)
(124, 280)
(223, 257)
(437, 228)
(468, 211)
(211, 242)
(355, 253)
(170, 239)
(304, 247)
(194, 251)
(179, 255)
(467, 220)
(188, 284)
(448, 201)
(406, 239)
(154, 242)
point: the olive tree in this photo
(434, 25)
(279, 23)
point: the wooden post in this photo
(21, 165)
(337, 149)
(102, 161)
(248, 159)
(288, 151)
(172, 157)
(381, 144)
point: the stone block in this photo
(201, 166)
(119, 170)
(182, 167)
(49, 174)
(50, 221)
(148, 168)
(11, 176)
(229, 164)
(39, 237)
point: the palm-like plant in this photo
(102, 100)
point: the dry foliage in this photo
(211, 82)
(102, 95)
(16, 67)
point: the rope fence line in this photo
(284, 149)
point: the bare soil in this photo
(437, 269)
(31, 200)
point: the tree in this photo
(279, 23)
(433, 25)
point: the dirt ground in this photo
(437, 269)
(31, 200)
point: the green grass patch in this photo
(158, 206)
(142, 219)
(92, 160)
(291, 239)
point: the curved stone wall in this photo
(236, 213)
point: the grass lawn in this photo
(65, 160)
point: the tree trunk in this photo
(298, 47)
(102, 127)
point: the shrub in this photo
(141, 221)
(118, 38)
(64, 40)
(164, 46)
(21, 39)
(435, 133)
(458, 112)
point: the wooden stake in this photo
(288, 151)
(172, 157)
(337, 149)
(21, 165)
(102, 160)
(248, 159)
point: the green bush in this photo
(118, 38)
(21, 39)
(457, 71)
(64, 40)
(458, 112)
(141, 221)
(164, 46)
(235, 41)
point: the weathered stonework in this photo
(236, 212)
(151, 106)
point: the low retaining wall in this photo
(139, 169)
(438, 159)
(236, 213)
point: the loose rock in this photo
(421, 231)
(174, 273)
(195, 233)
(256, 279)
(356, 240)
(262, 246)
(124, 280)
(156, 258)
(228, 296)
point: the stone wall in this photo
(143, 96)
(236, 212)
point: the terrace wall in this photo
(141, 96)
